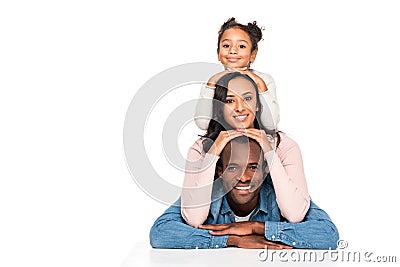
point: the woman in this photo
(236, 111)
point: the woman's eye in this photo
(242, 46)
(229, 101)
(248, 98)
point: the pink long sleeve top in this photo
(286, 170)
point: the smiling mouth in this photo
(242, 188)
(231, 59)
(241, 117)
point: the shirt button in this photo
(216, 246)
(196, 247)
(294, 243)
(273, 237)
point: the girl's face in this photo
(241, 104)
(235, 49)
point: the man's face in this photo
(242, 172)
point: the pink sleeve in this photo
(197, 185)
(287, 174)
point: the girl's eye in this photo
(225, 45)
(229, 101)
(242, 46)
(248, 98)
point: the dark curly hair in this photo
(252, 29)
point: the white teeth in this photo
(242, 187)
(241, 118)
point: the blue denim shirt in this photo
(316, 231)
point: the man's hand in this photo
(253, 241)
(244, 235)
(237, 228)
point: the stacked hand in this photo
(244, 235)
(262, 87)
(225, 136)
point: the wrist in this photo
(211, 84)
(258, 228)
(262, 87)
(232, 241)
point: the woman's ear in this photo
(253, 56)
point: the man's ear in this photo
(253, 55)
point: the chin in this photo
(240, 200)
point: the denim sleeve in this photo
(316, 231)
(171, 231)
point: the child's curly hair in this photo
(252, 29)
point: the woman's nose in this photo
(239, 106)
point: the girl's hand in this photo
(223, 138)
(261, 137)
(262, 87)
(214, 79)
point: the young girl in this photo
(237, 112)
(237, 49)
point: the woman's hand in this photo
(261, 137)
(223, 138)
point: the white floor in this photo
(143, 255)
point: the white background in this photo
(69, 69)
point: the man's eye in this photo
(231, 169)
(242, 46)
(253, 168)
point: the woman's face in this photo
(241, 104)
(235, 49)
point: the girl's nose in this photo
(232, 51)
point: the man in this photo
(248, 215)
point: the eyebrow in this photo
(231, 40)
(246, 93)
(232, 164)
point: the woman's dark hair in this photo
(252, 29)
(217, 122)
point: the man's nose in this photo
(245, 177)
